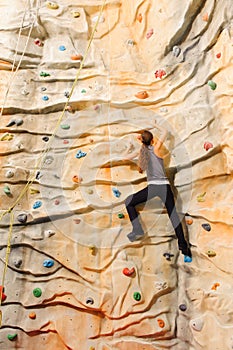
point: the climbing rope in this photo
(39, 163)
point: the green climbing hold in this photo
(65, 126)
(7, 190)
(37, 292)
(212, 84)
(121, 216)
(12, 336)
(137, 296)
(44, 74)
(83, 91)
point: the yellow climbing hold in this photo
(34, 191)
(7, 137)
(52, 5)
(211, 253)
(200, 197)
(76, 14)
(92, 249)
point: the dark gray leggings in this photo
(165, 193)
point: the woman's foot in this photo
(133, 236)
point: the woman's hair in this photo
(143, 158)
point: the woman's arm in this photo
(161, 138)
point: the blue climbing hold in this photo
(206, 227)
(187, 259)
(62, 48)
(37, 204)
(48, 263)
(45, 98)
(80, 154)
(116, 192)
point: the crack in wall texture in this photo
(68, 239)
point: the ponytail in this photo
(143, 158)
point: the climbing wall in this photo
(79, 80)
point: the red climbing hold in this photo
(2, 294)
(149, 33)
(38, 42)
(128, 272)
(218, 55)
(160, 73)
(208, 145)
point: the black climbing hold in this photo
(22, 218)
(18, 263)
(11, 123)
(168, 256)
(90, 301)
(206, 227)
(45, 138)
(182, 307)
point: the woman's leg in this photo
(131, 202)
(168, 198)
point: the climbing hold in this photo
(24, 92)
(163, 110)
(48, 160)
(218, 55)
(130, 42)
(189, 221)
(121, 216)
(18, 262)
(38, 42)
(32, 315)
(212, 84)
(116, 192)
(89, 191)
(12, 336)
(187, 259)
(67, 94)
(76, 57)
(128, 272)
(49, 233)
(37, 204)
(142, 95)
(139, 18)
(69, 109)
(97, 107)
(22, 218)
(205, 17)
(101, 19)
(3, 296)
(197, 324)
(65, 142)
(45, 138)
(38, 175)
(11, 123)
(211, 253)
(176, 51)
(80, 154)
(159, 73)
(92, 348)
(62, 48)
(65, 126)
(19, 122)
(52, 5)
(161, 323)
(33, 190)
(76, 14)
(206, 227)
(7, 190)
(200, 197)
(215, 286)
(45, 98)
(48, 263)
(161, 285)
(208, 145)
(92, 249)
(44, 74)
(90, 301)
(37, 292)
(137, 296)
(9, 174)
(56, 202)
(7, 137)
(182, 307)
(83, 91)
(149, 33)
(168, 256)
(42, 89)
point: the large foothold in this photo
(128, 272)
(137, 296)
(206, 227)
(37, 292)
(37, 204)
(3, 296)
(52, 5)
(197, 324)
(116, 192)
(12, 337)
(182, 307)
(48, 263)
(212, 84)
(90, 301)
(160, 73)
(142, 95)
(80, 154)
(22, 218)
(211, 253)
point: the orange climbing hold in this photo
(205, 17)
(139, 18)
(77, 57)
(189, 221)
(215, 286)
(3, 296)
(32, 315)
(161, 323)
(142, 95)
(76, 179)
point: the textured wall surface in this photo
(68, 243)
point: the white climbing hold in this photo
(24, 92)
(49, 233)
(197, 324)
(95, 19)
(161, 285)
(176, 51)
(10, 173)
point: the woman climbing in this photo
(151, 161)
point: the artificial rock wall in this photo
(72, 279)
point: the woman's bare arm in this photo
(161, 137)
